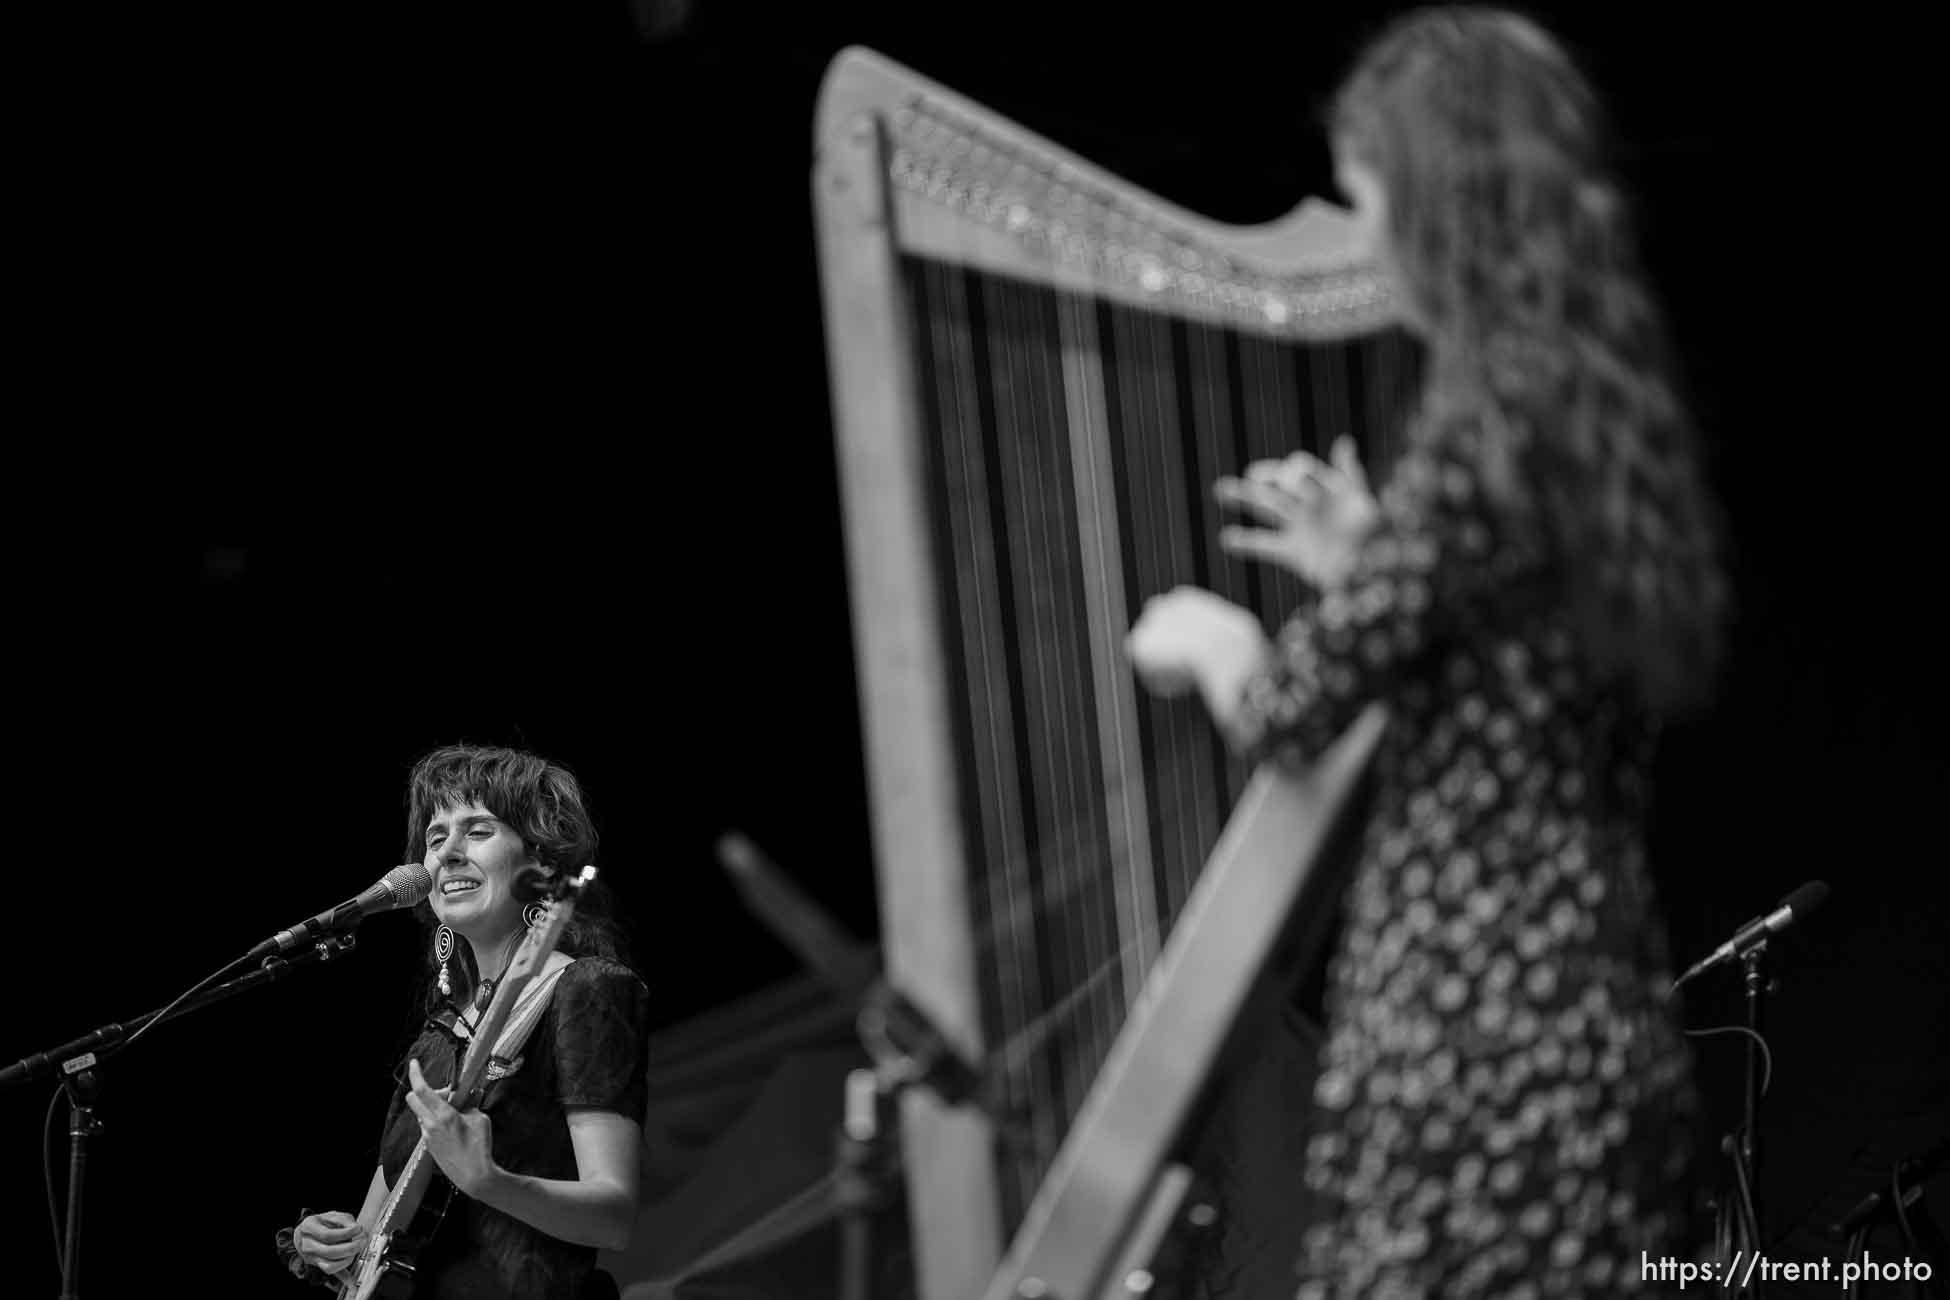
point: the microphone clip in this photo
(1749, 942)
(325, 947)
(1747, 952)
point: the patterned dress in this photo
(1504, 1105)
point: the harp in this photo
(1037, 370)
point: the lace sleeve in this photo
(602, 1016)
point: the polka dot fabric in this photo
(1504, 1106)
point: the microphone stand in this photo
(860, 1163)
(1756, 985)
(1737, 1216)
(79, 1062)
(909, 1051)
(1743, 1146)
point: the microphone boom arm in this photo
(99, 1043)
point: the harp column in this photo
(919, 851)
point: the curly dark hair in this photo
(1510, 236)
(542, 801)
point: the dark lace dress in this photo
(1504, 1105)
(587, 1050)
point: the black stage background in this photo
(387, 375)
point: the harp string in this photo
(1067, 893)
(1069, 1037)
(1055, 672)
(1066, 880)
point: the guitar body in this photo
(388, 1268)
(388, 1271)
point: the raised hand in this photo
(1318, 514)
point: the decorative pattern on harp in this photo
(1111, 236)
(1037, 372)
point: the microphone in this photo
(403, 886)
(1757, 931)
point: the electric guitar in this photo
(385, 1268)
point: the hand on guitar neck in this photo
(461, 1142)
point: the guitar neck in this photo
(404, 1201)
(480, 1051)
(417, 1174)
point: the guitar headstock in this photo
(559, 897)
(570, 885)
(560, 894)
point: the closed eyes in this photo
(480, 829)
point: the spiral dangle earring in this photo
(532, 917)
(443, 948)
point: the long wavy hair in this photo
(541, 801)
(1511, 238)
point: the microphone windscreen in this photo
(1807, 898)
(409, 883)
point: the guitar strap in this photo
(522, 1020)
